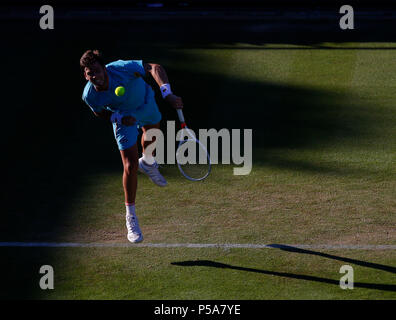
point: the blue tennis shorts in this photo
(126, 136)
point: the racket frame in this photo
(184, 126)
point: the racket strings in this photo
(193, 159)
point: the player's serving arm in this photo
(117, 92)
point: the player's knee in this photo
(131, 167)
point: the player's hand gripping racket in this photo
(194, 166)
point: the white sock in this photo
(130, 209)
(148, 158)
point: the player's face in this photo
(96, 74)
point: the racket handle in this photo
(181, 116)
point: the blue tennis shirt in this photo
(127, 74)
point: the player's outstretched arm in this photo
(159, 75)
(157, 72)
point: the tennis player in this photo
(136, 108)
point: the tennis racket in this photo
(195, 166)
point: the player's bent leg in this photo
(147, 163)
(129, 158)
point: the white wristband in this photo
(116, 117)
(165, 90)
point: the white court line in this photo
(195, 245)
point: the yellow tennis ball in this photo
(119, 91)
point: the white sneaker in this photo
(152, 172)
(134, 232)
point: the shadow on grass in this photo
(333, 257)
(213, 264)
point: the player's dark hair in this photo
(90, 57)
